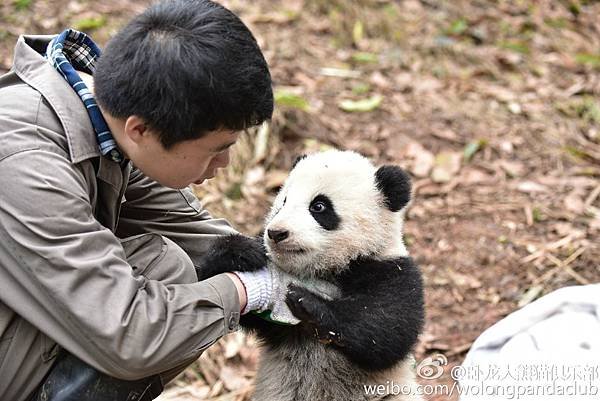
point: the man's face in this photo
(188, 162)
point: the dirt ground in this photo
(493, 106)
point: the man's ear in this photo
(394, 184)
(297, 160)
(135, 128)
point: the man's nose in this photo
(223, 160)
(278, 235)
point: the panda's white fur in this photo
(368, 228)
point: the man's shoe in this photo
(71, 379)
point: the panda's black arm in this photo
(233, 253)
(377, 320)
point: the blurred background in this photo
(493, 107)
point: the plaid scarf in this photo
(73, 50)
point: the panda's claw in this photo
(302, 303)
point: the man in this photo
(99, 236)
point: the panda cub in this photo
(337, 219)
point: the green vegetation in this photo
(89, 24)
(361, 88)
(234, 192)
(472, 148)
(588, 59)
(365, 57)
(22, 4)
(287, 98)
(515, 46)
(362, 105)
(458, 27)
(537, 215)
(584, 108)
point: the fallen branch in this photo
(555, 245)
(592, 197)
(565, 266)
(565, 263)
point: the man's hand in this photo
(266, 291)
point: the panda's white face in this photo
(330, 211)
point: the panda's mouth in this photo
(289, 249)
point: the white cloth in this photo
(266, 290)
(548, 350)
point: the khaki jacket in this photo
(64, 275)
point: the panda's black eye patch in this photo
(321, 209)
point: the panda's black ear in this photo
(394, 184)
(297, 160)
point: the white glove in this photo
(267, 289)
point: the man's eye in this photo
(318, 207)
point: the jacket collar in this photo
(36, 71)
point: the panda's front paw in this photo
(233, 253)
(303, 304)
(314, 312)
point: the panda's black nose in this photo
(278, 235)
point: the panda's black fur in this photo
(375, 321)
(374, 341)
(233, 253)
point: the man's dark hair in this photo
(186, 67)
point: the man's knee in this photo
(158, 258)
